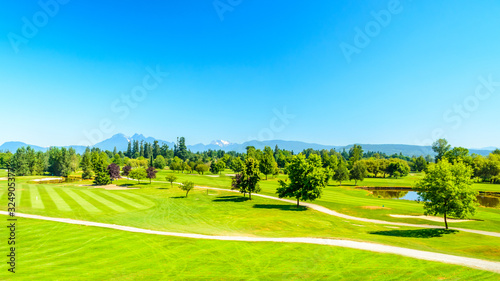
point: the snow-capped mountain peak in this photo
(221, 143)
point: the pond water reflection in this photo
(485, 201)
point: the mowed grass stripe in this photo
(25, 193)
(104, 201)
(140, 198)
(58, 201)
(36, 199)
(19, 193)
(124, 200)
(82, 202)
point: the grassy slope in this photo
(348, 200)
(58, 251)
(160, 207)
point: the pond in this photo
(483, 200)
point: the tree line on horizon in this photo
(354, 164)
(446, 187)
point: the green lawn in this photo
(59, 251)
(159, 207)
(3, 173)
(346, 199)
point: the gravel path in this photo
(423, 255)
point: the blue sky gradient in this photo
(415, 80)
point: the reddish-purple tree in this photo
(126, 170)
(151, 171)
(114, 171)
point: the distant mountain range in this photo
(120, 141)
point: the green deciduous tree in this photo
(247, 181)
(398, 168)
(458, 154)
(159, 162)
(341, 173)
(306, 179)
(267, 164)
(138, 174)
(447, 189)
(236, 164)
(201, 168)
(187, 186)
(171, 178)
(358, 172)
(117, 159)
(440, 146)
(214, 168)
(420, 164)
(176, 164)
(355, 154)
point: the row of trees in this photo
(486, 169)
(354, 164)
(56, 161)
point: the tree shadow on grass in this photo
(280, 207)
(417, 233)
(125, 184)
(178, 197)
(230, 199)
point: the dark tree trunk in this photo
(297, 202)
(250, 195)
(445, 222)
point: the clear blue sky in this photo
(226, 78)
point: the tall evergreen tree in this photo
(135, 149)
(141, 148)
(341, 173)
(268, 164)
(86, 164)
(181, 149)
(156, 149)
(129, 153)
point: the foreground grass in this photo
(58, 251)
(160, 207)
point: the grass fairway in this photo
(348, 200)
(58, 251)
(159, 207)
